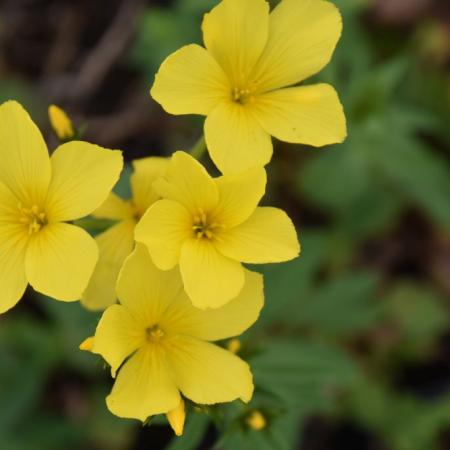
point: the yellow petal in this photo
(207, 374)
(146, 171)
(163, 229)
(230, 320)
(87, 345)
(114, 208)
(177, 417)
(239, 195)
(83, 176)
(235, 32)
(60, 122)
(60, 260)
(190, 81)
(236, 141)
(145, 290)
(25, 165)
(302, 38)
(210, 279)
(117, 336)
(114, 246)
(144, 386)
(309, 115)
(9, 206)
(13, 282)
(268, 236)
(187, 182)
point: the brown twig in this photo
(108, 50)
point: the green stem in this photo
(199, 148)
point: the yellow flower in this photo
(37, 195)
(234, 345)
(61, 123)
(209, 226)
(163, 345)
(117, 242)
(243, 80)
(176, 417)
(256, 421)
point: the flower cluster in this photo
(169, 272)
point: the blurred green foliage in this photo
(337, 329)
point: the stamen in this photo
(242, 96)
(33, 217)
(202, 228)
(154, 333)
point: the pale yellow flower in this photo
(160, 346)
(37, 195)
(117, 242)
(243, 81)
(209, 226)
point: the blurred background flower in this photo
(353, 348)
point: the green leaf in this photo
(285, 284)
(343, 305)
(72, 324)
(195, 429)
(303, 374)
(27, 355)
(281, 433)
(162, 31)
(123, 186)
(418, 313)
(419, 173)
(345, 171)
(405, 422)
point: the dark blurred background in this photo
(353, 349)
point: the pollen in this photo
(154, 333)
(34, 218)
(203, 227)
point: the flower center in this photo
(34, 218)
(242, 96)
(154, 333)
(203, 227)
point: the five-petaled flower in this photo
(161, 346)
(117, 242)
(244, 80)
(37, 195)
(210, 226)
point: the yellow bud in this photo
(61, 123)
(87, 345)
(234, 345)
(256, 421)
(176, 418)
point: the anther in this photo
(33, 217)
(154, 333)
